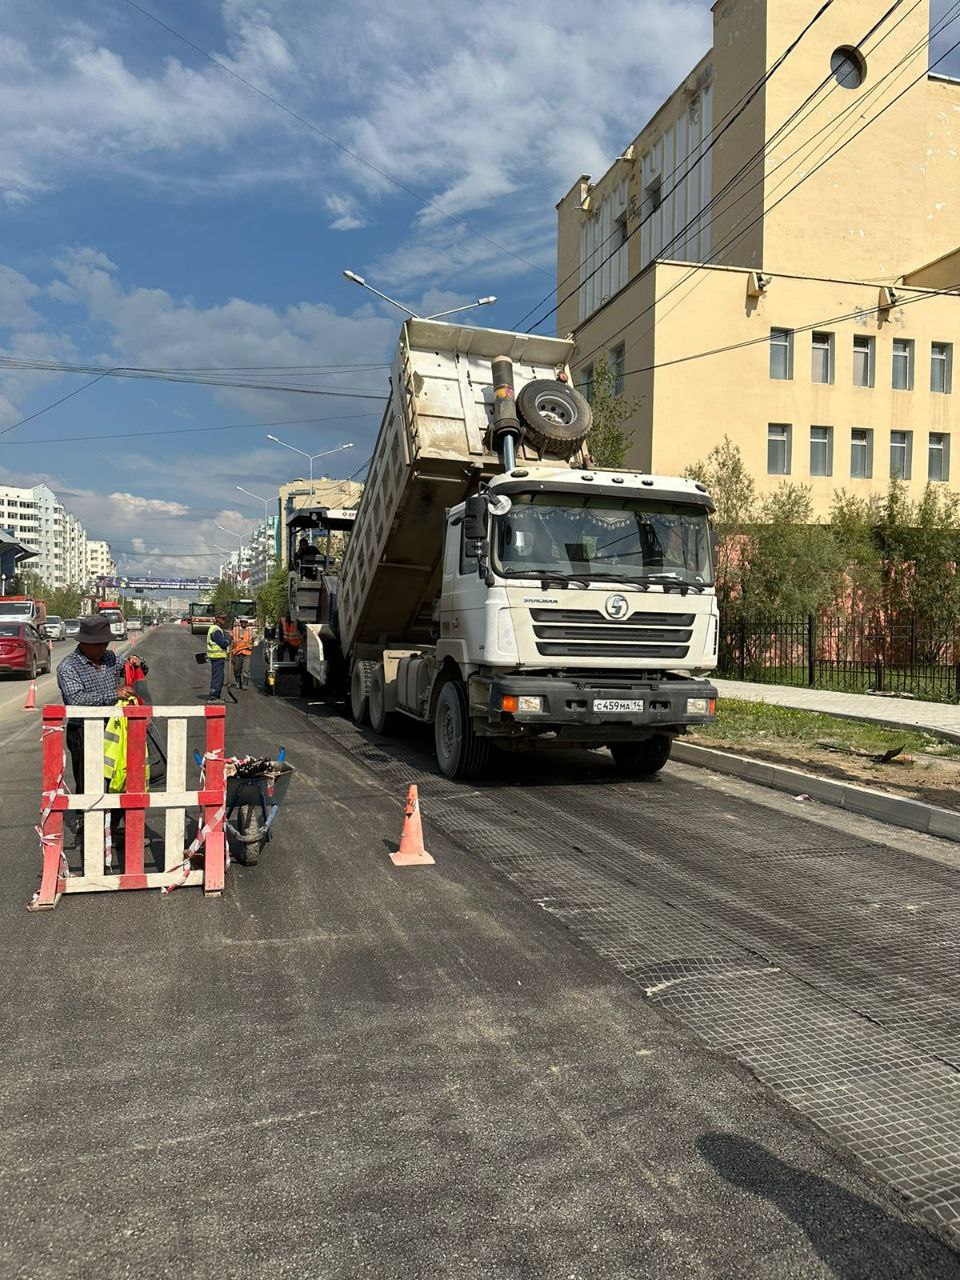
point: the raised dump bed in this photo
(433, 448)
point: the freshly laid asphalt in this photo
(343, 1069)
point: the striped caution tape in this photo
(187, 865)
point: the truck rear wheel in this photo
(381, 720)
(460, 752)
(360, 683)
(640, 759)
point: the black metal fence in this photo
(855, 654)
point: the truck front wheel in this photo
(360, 683)
(460, 752)
(640, 759)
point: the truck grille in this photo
(584, 633)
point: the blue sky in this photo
(156, 212)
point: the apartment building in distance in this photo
(783, 269)
(62, 554)
(100, 562)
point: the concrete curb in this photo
(896, 810)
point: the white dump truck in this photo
(499, 586)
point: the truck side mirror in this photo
(475, 518)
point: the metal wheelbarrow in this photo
(255, 791)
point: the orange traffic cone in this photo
(31, 702)
(411, 852)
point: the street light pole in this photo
(355, 279)
(311, 456)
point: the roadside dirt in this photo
(918, 777)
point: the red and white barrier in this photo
(134, 801)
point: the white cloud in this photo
(489, 115)
(345, 211)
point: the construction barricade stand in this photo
(180, 864)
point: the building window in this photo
(861, 453)
(821, 451)
(616, 368)
(903, 364)
(901, 450)
(586, 383)
(822, 370)
(941, 367)
(778, 449)
(938, 456)
(781, 353)
(862, 362)
(654, 194)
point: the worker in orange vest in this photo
(241, 651)
(289, 639)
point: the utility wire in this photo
(424, 201)
(46, 409)
(183, 431)
(163, 375)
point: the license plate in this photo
(628, 705)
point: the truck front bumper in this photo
(591, 709)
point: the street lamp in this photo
(312, 456)
(480, 302)
(266, 501)
(224, 529)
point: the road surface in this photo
(676, 1028)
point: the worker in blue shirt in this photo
(91, 676)
(218, 646)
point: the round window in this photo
(848, 67)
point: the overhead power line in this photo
(184, 431)
(423, 200)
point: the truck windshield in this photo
(15, 608)
(594, 535)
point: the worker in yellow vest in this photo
(218, 646)
(241, 651)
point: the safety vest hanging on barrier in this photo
(115, 739)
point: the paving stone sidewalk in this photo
(939, 717)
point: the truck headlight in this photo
(506, 635)
(529, 703)
(701, 706)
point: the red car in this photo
(23, 651)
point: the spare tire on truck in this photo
(557, 418)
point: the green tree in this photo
(734, 494)
(271, 598)
(64, 602)
(853, 525)
(224, 596)
(791, 565)
(609, 439)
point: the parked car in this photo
(54, 628)
(23, 651)
(72, 627)
(118, 624)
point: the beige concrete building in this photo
(766, 268)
